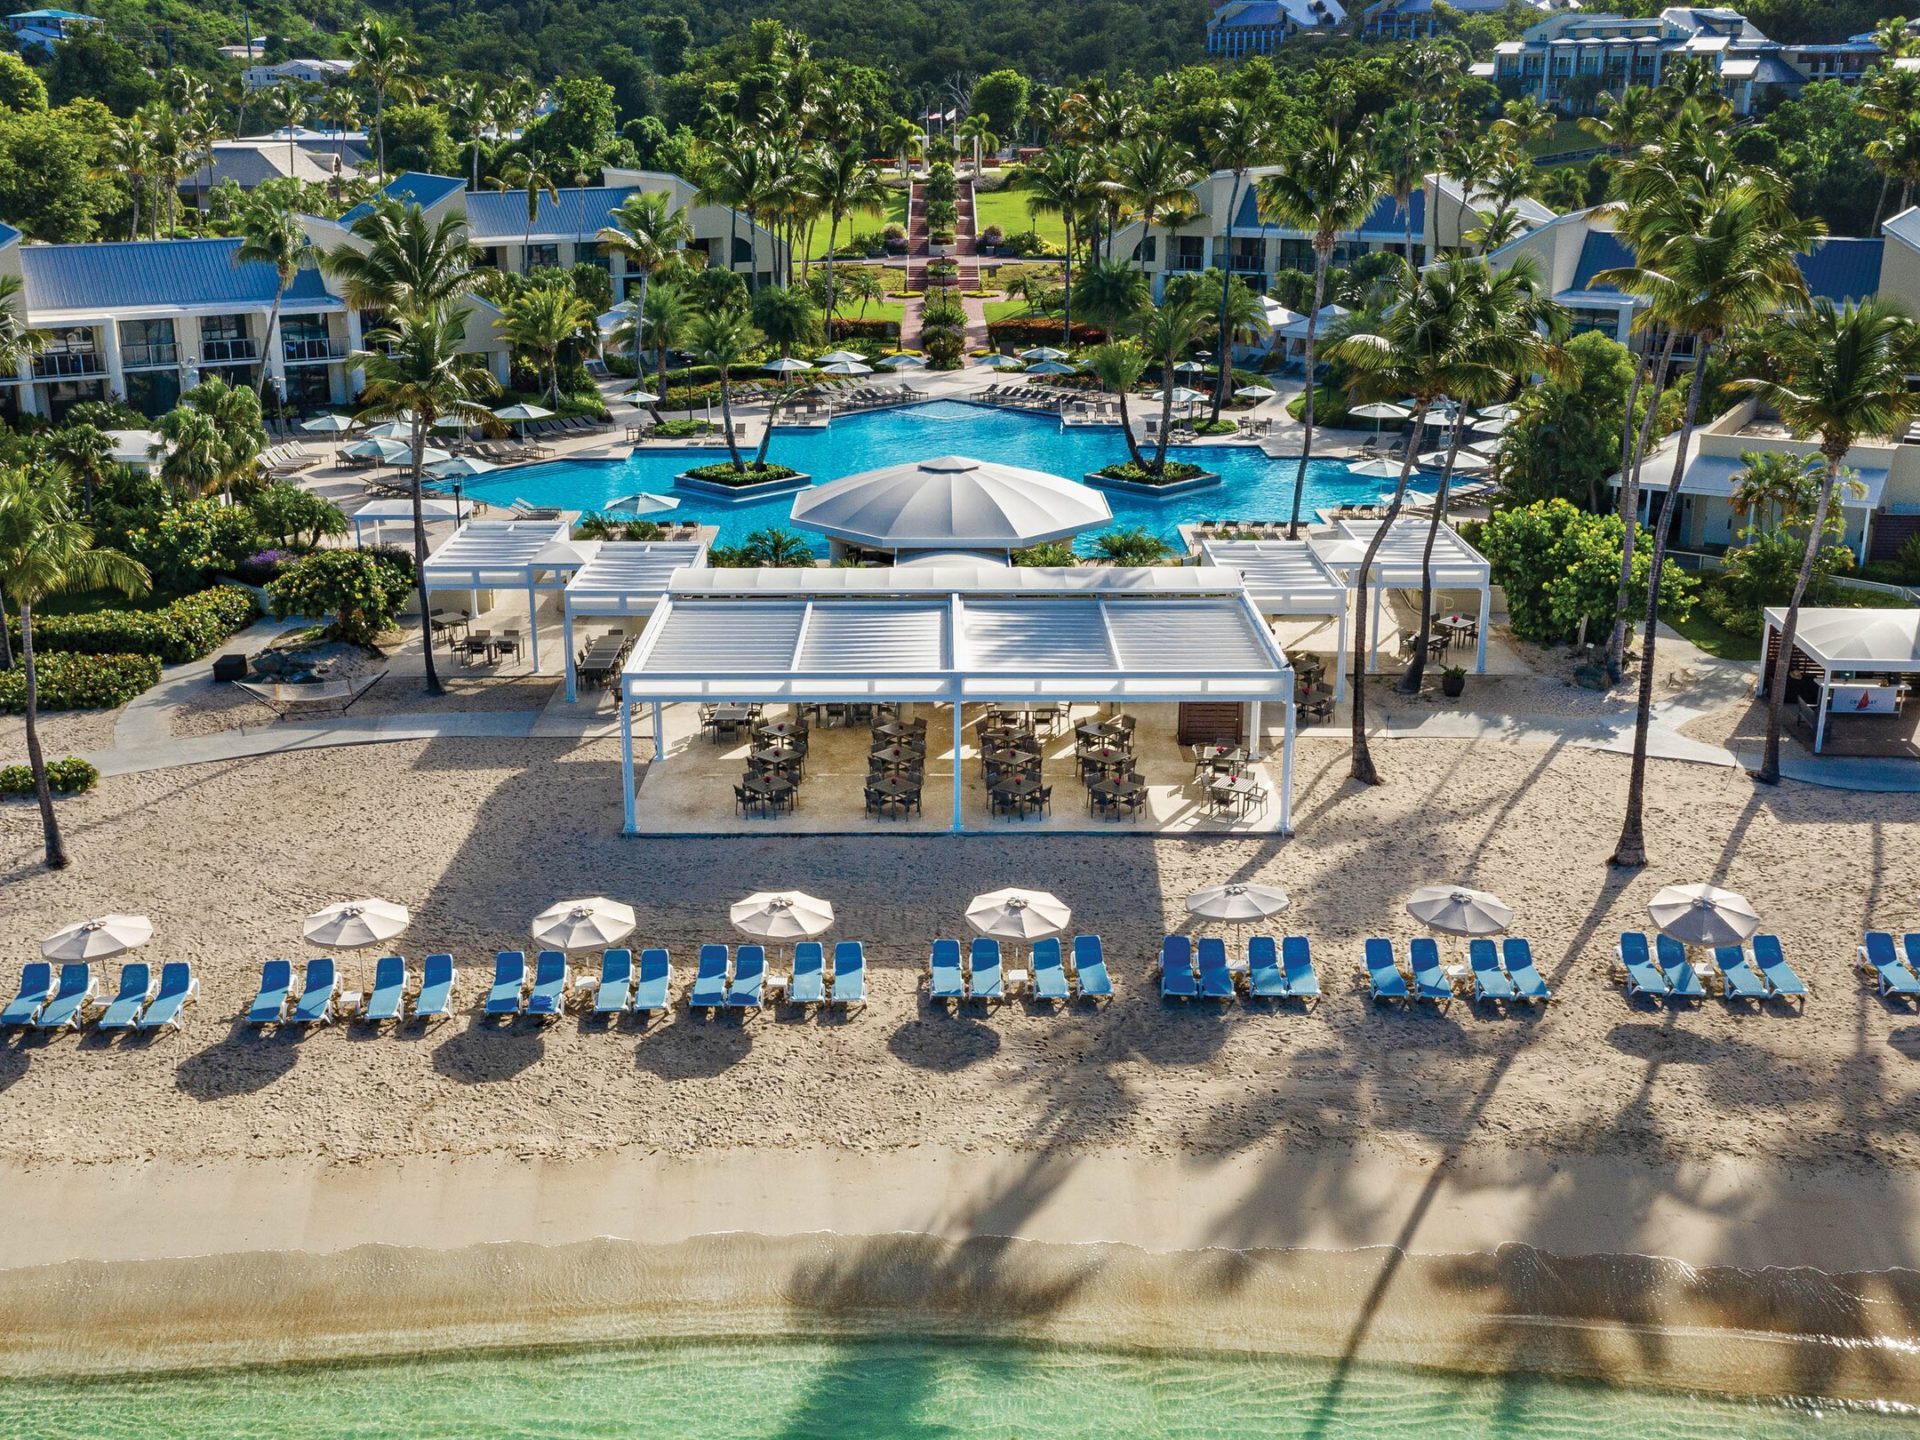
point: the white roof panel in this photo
(1857, 639)
(633, 569)
(1285, 574)
(726, 639)
(873, 637)
(1014, 635)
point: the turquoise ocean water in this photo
(890, 1390)
(1253, 487)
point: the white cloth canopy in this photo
(582, 924)
(644, 502)
(1043, 352)
(1014, 914)
(98, 938)
(522, 412)
(1237, 902)
(951, 503)
(1457, 910)
(1703, 915)
(1297, 329)
(352, 924)
(781, 915)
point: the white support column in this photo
(566, 643)
(1820, 726)
(1486, 615)
(1341, 660)
(630, 824)
(959, 773)
(659, 731)
(1286, 771)
(533, 624)
(116, 364)
(356, 341)
(1253, 727)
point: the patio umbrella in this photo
(1491, 424)
(452, 423)
(1457, 910)
(328, 424)
(1703, 915)
(1381, 410)
(781, 915)
(643, 503)
(903, 361)
(1464, 463)
(582, 924)
(787, 365)
(1050, 367)
(1237, 902)
(642, 397)
(998, 361)
(387, 452)
(838, 357)
(1181, 395)
(458, 467)
(354, 924)
(429, 456)
(1502, 411)
(1254, 392)
(1189, 367)
(99, 938)
(846, 367)
(1014, 914)
(522, 413)
(391, 430)
(1379, 468)
(1043, 352)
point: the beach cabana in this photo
(1854, 660)
(955, 636)
(529, 555)
(1288, 577)
(622, 578)
(1455, 565)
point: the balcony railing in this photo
(1186, 263)
(140, 357)
(69, 362)
(228, 352)
(302, 352)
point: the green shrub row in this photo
(723, 473)
(64, 777)
(192, 626)
(79, 682)
(1173, 472)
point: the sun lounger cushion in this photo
(509, 980)
(177, 987)
(710, 979)
(1296, 958)
(985, 982)
(1743, 982)
(616, 979)
(1490, 982)
(1780, 976)
(136, 988)
(945, 980)
(1265, 978)
(1686, 984)
(849, 973)
(1049, 973)
(1216, 980)
(436, 987)
(389, 988)
(1430, 980)
(69, 1002)
(808, 985)
(1527, 978)
(36, 988)
(1643, 976)
(1894, 977)
(549, 994)
(749, 976)
(315, 1006)
(1383, 975)
(1176, 968)
(276, 979)
(1090, 968)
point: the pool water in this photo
(1253, 486)
(888, 1390)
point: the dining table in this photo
(767, 787)
(732, 713)
(898, 755)
(1233, 791)
(894, 787)
(897, 730)
(1111, 789)
(1010, 755)
(1094, 730)
(1014, 787)
(777, 730)
(1107, 757)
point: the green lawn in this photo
(893, 310)
(1008, 210)
(860, 222)
(1716, 639)
(1567, 136)
(1013, 310)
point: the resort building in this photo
(251, 163)
(1569, 60)
(1259, 27)
(1423, 19)
(297, 72)
(47, 28)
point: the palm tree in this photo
(977, 130)
(646, 232)
(287, 107)
(786, 317)
(1237, 138)
(1153, 174)
(1118, 365)
(724, 339)
(904, 139)
(1064, 182)
(191, 462)
(665, 316)
(381, 57)
(84, 452)
(401, 263)
(1843, 375)
(129, 154)
(1896, 155)
(471, 113)
(45, 548)
(167, 142)
(1165, 331)
(1111, 293)
(419, 367)
(1891, 96)
(533, 172)
(270, 235)
(1716, 260)
(843, 181)
(1329, 187)
(542, 320)
(1629, 121)
(1408, 144)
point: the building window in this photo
(305, 338)
(543, 257)
(63, 395)
(1189, 253)
(1147, 251)
(72, 351)
(309, 387)
(153, 392)
(147, 342)
(224, 340)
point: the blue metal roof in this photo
(1386, 219)
(7, 235)
(503, 213)
(135, 274)
(1842, 270)
(414, 187)
(1601, 250)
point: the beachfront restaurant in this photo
(1850, 678)
(1292, 585)
(1402, 559)
(957, 696)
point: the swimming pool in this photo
(1252, 487)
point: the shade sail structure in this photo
(1457, 910)
(1015, 914)
(781, 915)
(1455, 565)
(582, 924)
(354, 924)
(951, 503)
(1237, 902)
(98, 938)
(1703, 915)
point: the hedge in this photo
(64, 777)
(846, 328)
(192, 626)
(1039, 331)
(79, 682)
(1173, 472)
(723, 473)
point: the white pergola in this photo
(399, 511)
(959, 636)
(1288, 577)
(622, 578)
(529, 555)
(1455, 565)
(1849, 642)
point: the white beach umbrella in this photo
(582, 924)
(787, 365)
(1502, 411)
(1181, 395)
(1379, 468)
(1189, 367)
(1237, 902)
(839, 357)
(388, 452)
(1254, 392)
(645, 502)
(1051, 367)
(641, 397)
(1459, 911)
(1703, 915)
(1380, 410)
(328, 424)
(522, 413)
(1491, 424)
(459, 467)
(998, 361)
(1464, 463)
(1014, 914)
(352, 924)
(781, 915)
(846, 367)
(903, 361)
(1043, 352)
(391, 430)
(98, 938)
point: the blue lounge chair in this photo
(1216, 980)
(1265, 979)
(616, 982)
(945, 980)
(67, 1010)
(1383, 975)
(388, 998)
(1430, 979)
(1780, 976)
(1894, 978)
(1176, 968)
(653, 990)
(509, 983)
(1296, 958)
(709, 979)
(1049, 972)
(749, 977)
(809, 983)
(36, 988)
(849, 974)
(1090, 978)
(1643, 976)
(137, 987)
(276, 982)
(318, 994)
(435, 1000)
(177, 987)
(1911, 944)
(1685, 983)
(1743, 982)
(1527, 979)
(1490, 982)
(548, 998)
(984, 982)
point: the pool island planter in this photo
(1202, 481)
(757, 490)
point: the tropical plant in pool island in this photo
(1130, 545)
(362, 592)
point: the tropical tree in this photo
(725, 339)
(977, 130)
(1064, 181)
(85, 453)
(1843, 376)
(1153, 174)
(1165, 331)
(1326, 188)
(541, 321)
(400, 263)
(1238, 136)
(382, 59)
(420, 370)
(904, 140)
(270, 235)
(665, 316)
(45, 549)
(843, 181)
(129, 154)
(1111, 293)
(648, 234)
(1409, 149)
(1118, 365)
(471, 112)
(537, 175)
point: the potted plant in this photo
(1453, 681)
(990, 239)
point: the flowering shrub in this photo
(361, 591)
(191, 543)
(79, 682)
(64, 777)
(192, 626)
